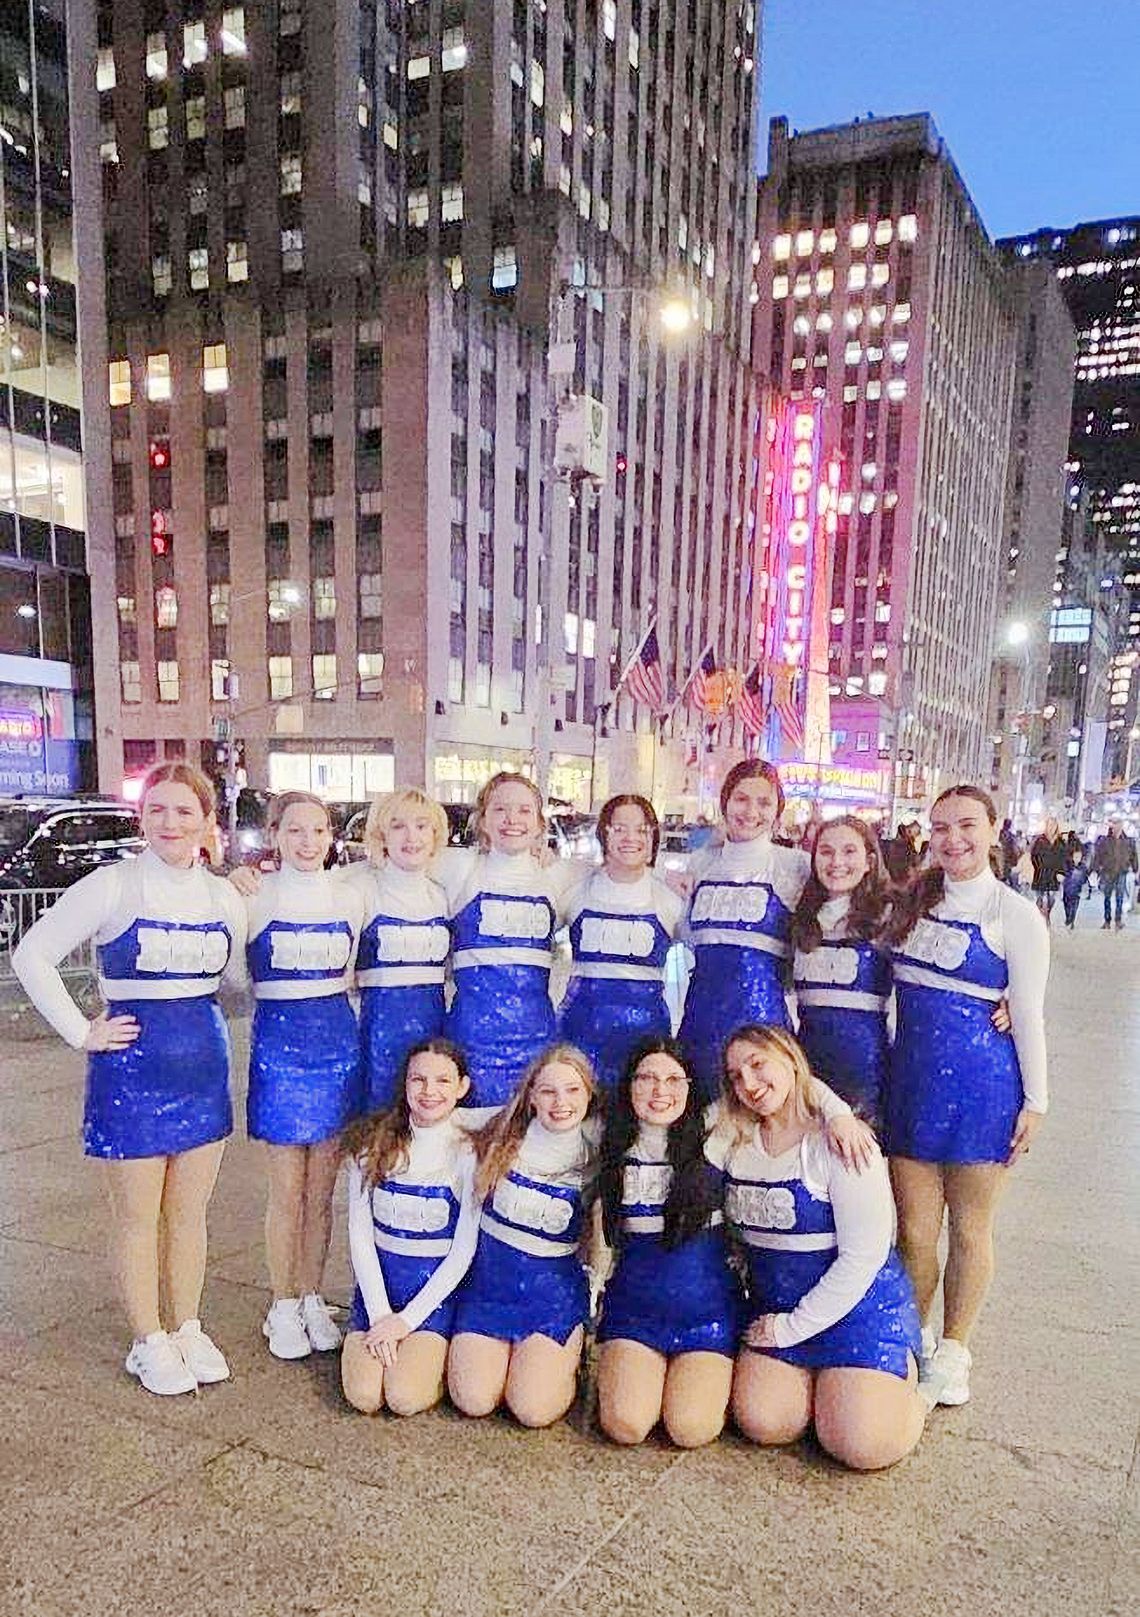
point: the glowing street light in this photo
(1016, 633)
(676, 315)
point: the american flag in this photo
(697, 690)
(785, 700)
(644, 677)
(753, 708)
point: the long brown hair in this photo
(498, 1142)
(381, 1142)
(735, 1120)
(869, 900)
(927, 888)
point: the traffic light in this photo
(621, 463)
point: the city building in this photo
(1097, 265)
(45, 634)
(878, 292)
(1036, 525)
(366, 264)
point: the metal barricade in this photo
(20, 907)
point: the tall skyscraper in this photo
(45, 649)
(342, 241)
(879, 293)
(1097, 265)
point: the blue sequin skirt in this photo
(510, 1295)
(881, 1332)
(166, 1093)
(405, 1276)
(501, 1018)
(729, 988)
(304, 1070)
(392, 1021)
(683, 1300)
(954, 1089)
(850, 1052)
(606, 1018)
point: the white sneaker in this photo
(159, 1365)
(948, 1377)
(322, 1330)
(285, 1329)
(927, 1351)
(204, 1358)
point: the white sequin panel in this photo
(942, 946)
(531, 1208)
(646, 1183)
(309, 951)
(631, 939)
(412, 945)
(428, 1214)
(760, 1207)
(838, 967)
(513, 918)
(202, 954)
(730, 903)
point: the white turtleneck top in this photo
(308, 895)
(785, 870)
(464, 872)
(413, 952)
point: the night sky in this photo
(1038, 100)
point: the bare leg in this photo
(361, 1375)
(771, 1400)
(972, 1192)
(135, 1190)
(920, 1197)
(542, 1378)
(868, 1419)
(631, 1384)
(190, 1180)
(284, 1216)
(477, 1372)
(415, 1382)
(321, 1164)
(697, 1387)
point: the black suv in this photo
(52, 842)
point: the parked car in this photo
(50, 843)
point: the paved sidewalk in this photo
(267, 1495)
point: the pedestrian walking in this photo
(1009, 853)
(1074, 884)
(1113, 859)
(1049, 855)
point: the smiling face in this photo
(961, 836)
(840, 859)
(659, 1089)
(751, 810)
(174, 823)
(409, 840)
(628, 841)
(434, 1086)
(510, 820)
(559, 1096)
(304, 837)
(763, 1080)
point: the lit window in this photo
(874, 389)
(882, 612)
(884, 230)
(866, 504)
(219, 604)
(215, 371)
(585, 199)
(419, 67)
(157, 377)
(454, 268)
(781, 247)
(564, 178)
(908, 227)
(609, 18)
(291, 174)
(108, 142)
(455, 679)
(324, 676)
(877, 314)
(126, 605)
(234, 99)
(391, 135)
(198, 197)
(860, 235)
(838, 615)
(850, 393)
(453, 53)
(364, 187)
(805, 241)
(802, 287)
(220, 679)
(165, 608)
(157, 128)
(168, 682)
(119, 381)
(105, 68)
(827, 241)
(198, 268)
(160, 274)
(369, 672)
(370, 588)
(901, 314)
(451, 203)
(779, 286)
(418, 209)
(131, 682)
(823, 322)
(233, 31)
(290, 94)
(193, 43)
(289, 18)
(856, 277)
(880, 274)
(898, 351)
(634, 49)
(853, 318)
(825, 280)
(537, 83)
(156, 56)
(324, 597)
(877, 683)
(505, 269)
(292, 250)
(196, 117)
(280, 678)
(237, 261)
(896, 389)
(853, 353)
(801, 325)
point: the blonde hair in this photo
(775, 1041)
(180, 773)
(497, 1143)
(505, 777)
(383, 810)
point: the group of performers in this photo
(509, 1163)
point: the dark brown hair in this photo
(380, 1142)
(631, 800)
(752, 769)
(869, 900)
(926, 888)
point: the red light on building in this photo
(621, 464)
(159, 455)
(159, 537)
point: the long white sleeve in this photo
(1027, 959)
(455, 1265)
(864, 1219)
(76, 916)
(362, 1247)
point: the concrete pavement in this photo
(266, 1495)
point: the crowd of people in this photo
(746, 1213)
